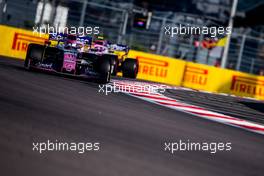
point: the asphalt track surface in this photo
(36, 107)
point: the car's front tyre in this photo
(130, 68)
(34, 53)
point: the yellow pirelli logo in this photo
(153, 67)
(21, 41)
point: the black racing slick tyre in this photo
(130, 68)
(34, 52)
(114, 63)
(105, 78)
(104, 70)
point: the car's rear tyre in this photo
(130, 68)
(105, 78)
(34, 53)
(104, 70)
(114, 63)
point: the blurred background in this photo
(140, 24)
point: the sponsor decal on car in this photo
(47, 66)
(69, 62)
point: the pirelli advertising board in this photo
(212, 79)
(204, 77)
(246, 85)
(158, 68)
(198, 76)
(195, 76)
(14, 41)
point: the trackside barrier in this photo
(14, 43)
(212, 79)
(159, 68)
(198, 76)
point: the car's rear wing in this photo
(118, 47)
(85, 39)
(57, 36)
